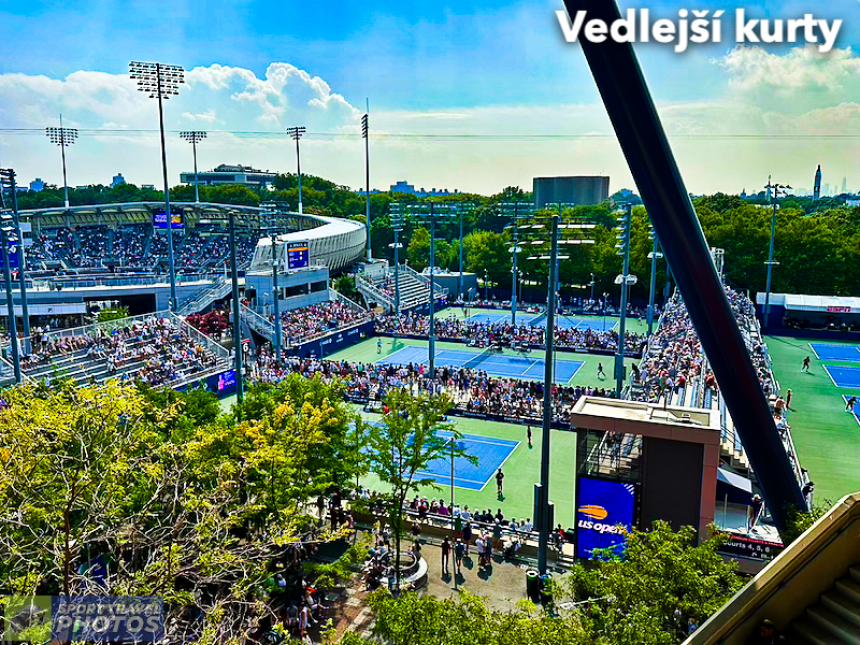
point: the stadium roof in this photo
(822, 304)
(140, 207)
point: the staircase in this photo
(414, 289)
(835, 619)
(208, 295)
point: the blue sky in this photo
(474, 68)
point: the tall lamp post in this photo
(7, 180)
(553, 225)
(194, 137)
(654, 255)
(63, 137)
(512, 210)
(237, 316)
(776, 191)
(397, 226)
(365, 132)
(624, 228)
(161, 82)
(296, 133)
(7, 237)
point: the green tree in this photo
(412, 435)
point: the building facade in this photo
(227, 174)
(581, 191)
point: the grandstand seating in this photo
(158, 352)
(414, 288)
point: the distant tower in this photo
(816, 192)
(844, 185)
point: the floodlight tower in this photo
(7, 238)
(512, 210)
(194, 137)
(625, 222)
(776, 191)
(63, 137)
(296, 133)
(7, 180)
(654, 255)
(365, 130)
(396, 219)
(161, 82)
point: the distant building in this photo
(816, 189)
(149, 186)
(582, 191)
(117, 180)
(226, 174)
(37, 184)
(373, 191)
(409, 189)
(852, 203)
(844, 185)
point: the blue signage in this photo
(603, 507)
(227, 380)
(159, 219)
(297, 255)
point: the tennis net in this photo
(477, 360)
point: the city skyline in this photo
(477, 99)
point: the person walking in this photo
(788, 399)
(529, 435)
(600, 373)
(806, 362)
(500, 476)
(467, 535)
(459, 552)
(850, 403)
(446, 553)
(379, 346)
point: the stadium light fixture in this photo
(365, 132)
(194, 137)
(512, 209)
(7, 239)
(396, 219)
(776, 191)
(63, 137)
(160, 82)
(296, 133)
(7, 180)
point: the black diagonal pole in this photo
(639, 130)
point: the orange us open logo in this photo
(594, 511)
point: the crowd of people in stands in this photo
(472, 390)
(308, 322)
(483, 334)
(674, 356)
(138, 246)
(155, 350)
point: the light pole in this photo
(7, 236)
(591, 284)
(7, 179)
(775, 190)
(63, 137)
(654, 255)
(365, 130)
(605, 296)
(396, 226)
(512, 209)
(296, 133)
(486, 287)
(625, 223)
(161, 82)
(237, 325)
(194, 137)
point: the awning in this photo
(738, 489)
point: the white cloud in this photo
(208, 116)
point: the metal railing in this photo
(258, 323)
(333, 294)
(219, 289)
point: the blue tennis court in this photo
(490, 452)
(539, 320)
(856, 409)
(494, 364)
(826, 352)
(844, 376)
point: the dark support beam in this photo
(640, 133)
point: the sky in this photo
(474, 96)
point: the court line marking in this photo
(840, 367)
(847, 360)
(456, 479)
(480, 439)
(813, 351)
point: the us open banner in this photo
(603, 508)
